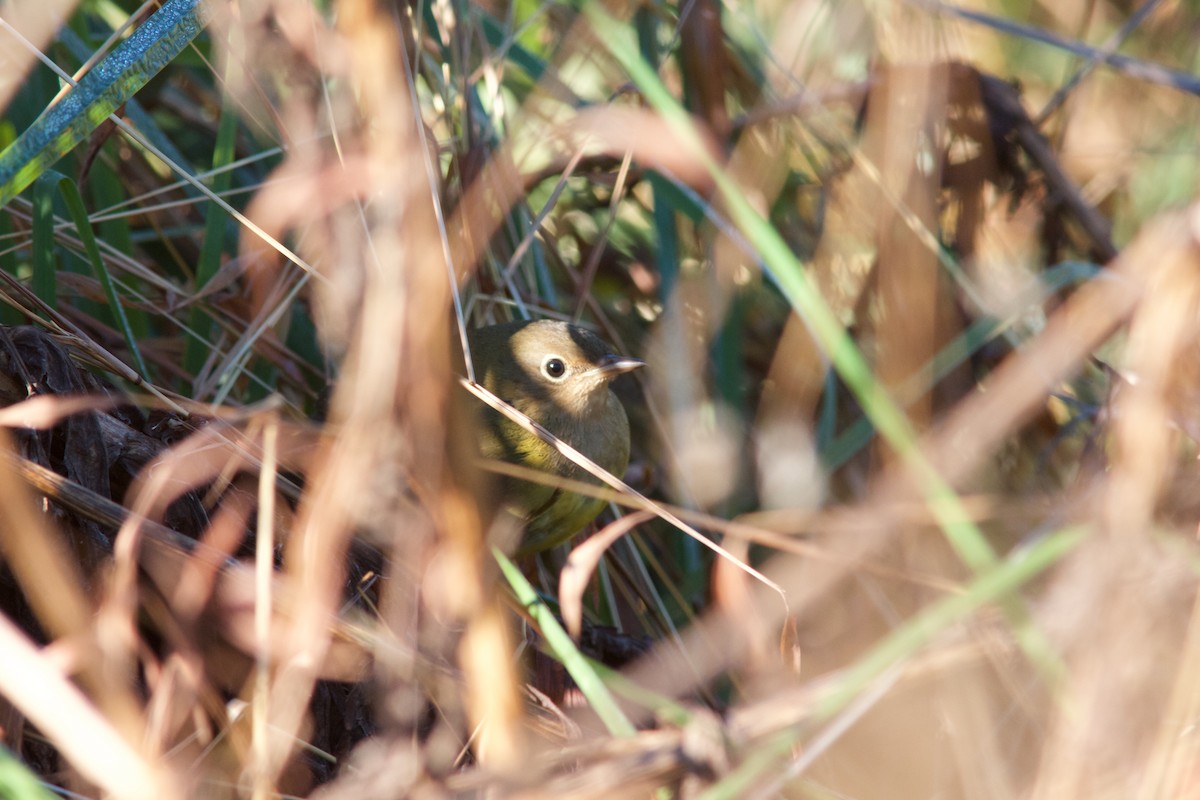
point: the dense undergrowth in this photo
(917, 287)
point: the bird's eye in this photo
(554, 368)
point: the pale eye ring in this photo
(554, 368)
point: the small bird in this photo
(558, 375)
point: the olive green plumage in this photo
(558, 375)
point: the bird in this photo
(558, 374)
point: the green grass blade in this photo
(46, 186)
(516, 53)
(8, 263)
(106, 190)
(215, 220)
(580, 670)
(17, 782)
(45, 278)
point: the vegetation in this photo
(913, 497)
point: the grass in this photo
(911, 509)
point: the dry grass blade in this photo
(43, 694)
(32, 26)
(581, 566)
(45, 411)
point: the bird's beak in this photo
(612, 366)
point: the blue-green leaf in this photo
(98, 94)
